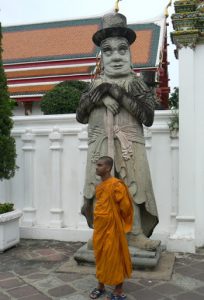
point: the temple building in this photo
(36, 57)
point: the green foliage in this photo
(174, 99)
(174, 106)
(6, 207)
(63, 98)
(174, 121)
(7, 143)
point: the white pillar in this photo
(29, 210)
(184, 237)
(174, 145)
(199, 144)
(55, 188)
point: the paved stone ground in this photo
(30, 271)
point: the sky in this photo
(15, 12)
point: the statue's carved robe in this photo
(130, 160)
(113, 217)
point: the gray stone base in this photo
(140, 258)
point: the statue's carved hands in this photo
(116, 92)
(99, 92)
(111, 104)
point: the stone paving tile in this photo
(23, 291)
(147, 294)
(4, 297)
(200, 290)
(167, 289)
(186, 271)
(76, 297)
(45, 252)
(68, 277)
(6, 275)
(36, 297)
(199, 276)
(35, 263)
(61, 291)
(85, 284)
(199, 266)
(25, 271)
(130, 287)
(186, 283)
(47, 283)
(37, 276)
(189, 296)
(148, 283)
(10, 283)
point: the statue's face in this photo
(116, 57)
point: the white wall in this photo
(48, 185)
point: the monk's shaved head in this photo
(108, 161)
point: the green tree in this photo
(174, 99)
(174, 106)
(7, 142)
(63, 98)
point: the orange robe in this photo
(113, 218)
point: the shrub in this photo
(7, 143)
(6, 207)
(174, 106)
(174, 99)
(63, 98)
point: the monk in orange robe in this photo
(113, 218)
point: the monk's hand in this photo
(111, 104)
(99, 92)
(116, 92)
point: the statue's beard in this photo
(124, 81)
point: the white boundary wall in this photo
(48, 185)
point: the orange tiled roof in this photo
(72, 39)
(24, 73)
(48, 43)
(31, 89)
(64, 50)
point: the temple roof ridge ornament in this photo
(166, 12)
(117, 6)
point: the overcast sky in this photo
(13, 12)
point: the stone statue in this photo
(115, 107)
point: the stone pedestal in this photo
(140, 258)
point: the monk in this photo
(113, 218)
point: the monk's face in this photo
(116, 57)
(102, 168)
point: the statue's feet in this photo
(142, 242)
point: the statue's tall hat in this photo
(114, 25)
